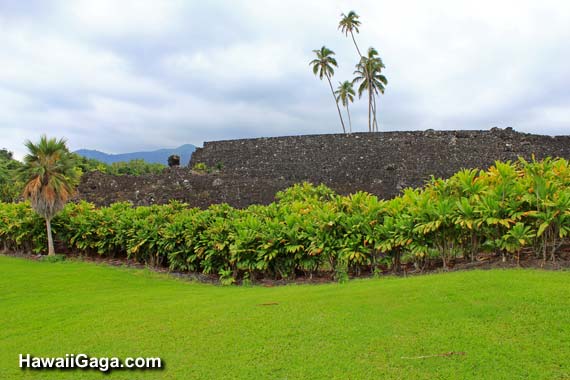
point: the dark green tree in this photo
(10, 184)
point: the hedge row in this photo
(309, 228)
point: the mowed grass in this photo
(512, 324)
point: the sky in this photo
(131, 75)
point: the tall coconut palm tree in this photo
(323, 67)
(349, 24)
(345, 94)
(368, 73)
(51, 178)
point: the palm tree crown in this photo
(368, 72)
(323, 65)
(52, 177)
(349, 24)
(345, 93)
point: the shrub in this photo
(310, 228)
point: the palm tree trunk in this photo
(51, 250)
(373, 112)
(349, 121)
(369, 110)
(355, 45)
(337, 107)
(374, 122)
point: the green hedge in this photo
(505, 209)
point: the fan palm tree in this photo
(345, 94)
(323, 67)
(51, 178)
(349, 24)
(368, 74)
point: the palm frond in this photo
(51, 175)
(324, 63)
(349, 23)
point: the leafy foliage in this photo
(10, 182)
(508, 209)
(132, 167)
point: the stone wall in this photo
(381, 163)
(181, 184)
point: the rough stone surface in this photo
(181, 184)
(381, 163)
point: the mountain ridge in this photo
(159, 156)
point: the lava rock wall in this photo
(382, 163)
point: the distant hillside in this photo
(159, 156)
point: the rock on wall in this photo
(381, 163)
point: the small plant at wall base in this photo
(51, 179)
(201, 167)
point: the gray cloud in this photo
(131, 75)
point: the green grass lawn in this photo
(512, 324)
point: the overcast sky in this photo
(120, 76)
